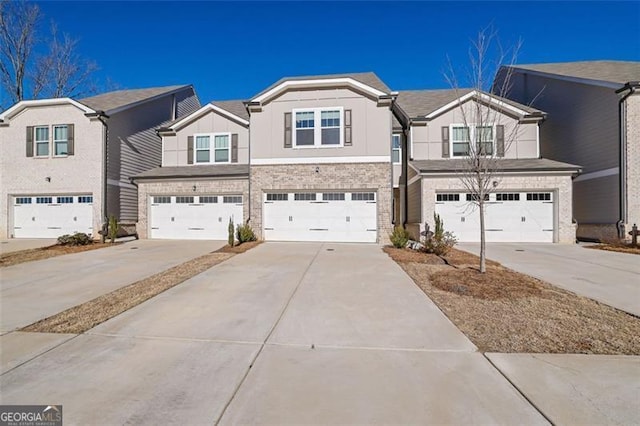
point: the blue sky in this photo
(233, 50)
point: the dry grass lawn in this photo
(505, 311)
(89, 314)
(620, 248)
(17, 257)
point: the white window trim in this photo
(317, 127)
(212, 149)
(398, 149)
(36, 142)
(472, 137)
(53, 137)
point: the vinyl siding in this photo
(371, 128)
(414, 199)
(596, 200)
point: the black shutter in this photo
(29, 141)
(70, 145)
(234, 147)
(287, 130)
(190, 150)
(500, 141)
(445, 142)
(347, 128)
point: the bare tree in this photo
(479, 158)
(61, 71)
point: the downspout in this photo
(102, 117)
(249, 166)
(622, 110)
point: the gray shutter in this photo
(500, 141)
(29, 141)
(347, 128)
(70, 146)
(287, 130)
(445, 142)
(190, 150)
(234, 147)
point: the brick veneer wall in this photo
(343, 177)
(185, 187)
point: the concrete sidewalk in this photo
(608, 277)
(35, 290)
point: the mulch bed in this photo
(505, 311)
(17, 257)
(89, 314)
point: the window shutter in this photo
(347, 127)
(445, 142)
(287, 130)
(70, 147)
(190, 150)
(234, 147)
(29, 141)
(500, 141)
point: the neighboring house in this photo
(66, 164)
(594, 121)
(532, 199)
(307, 159)
(204, 178)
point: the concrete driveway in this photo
(35, 290)
(283, 334)
(608, 277)
(17, 244)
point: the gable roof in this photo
(234, 109)
(619, 72)
(112, 102)
(22, 105)
(368, 79)
(427, 103)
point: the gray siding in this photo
(187, 102)
(596, 200)
(414, 200)
(134, 147)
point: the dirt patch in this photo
(239, 248)
(620, 248)
(88, 315)
(412, 256)
(22, 256)
(505, 311)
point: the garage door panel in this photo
(203, 217)
(50, 216)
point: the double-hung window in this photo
(484, 140)
(396, 149)
(60, 140)
(212, 148)
(41, 138)
(461, 137)
(318, 127)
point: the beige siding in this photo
(520, 138)
(371, 128)
(414, 199)
(133, 147)
(80, 173)
(175, 147)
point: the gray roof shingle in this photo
(235, 107)
(368, 78)
(505, 164)
(121, 98)
(419, 103)
(612, 71)
(213, 170)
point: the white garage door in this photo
(204, 217)
(49, 216)
(325, 216)
(509, 217)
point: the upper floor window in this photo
(461, 137)
(60, 140)
(212, 148)
(396, 149)
(318, 127)
(41, 137)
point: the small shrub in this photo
(113, 228)
(245, 233)
(399, 237)
(77, 239)
(230, 229)
(439, 241)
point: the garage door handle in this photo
(523, 219)
(495, 229)
(195, 229)
(268, 229)
(53, 227)
(319, 202)
(371, 202)
(318, 229)
(372, 230)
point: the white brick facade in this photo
(560, 185)
(343, 177)
(185, 187)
